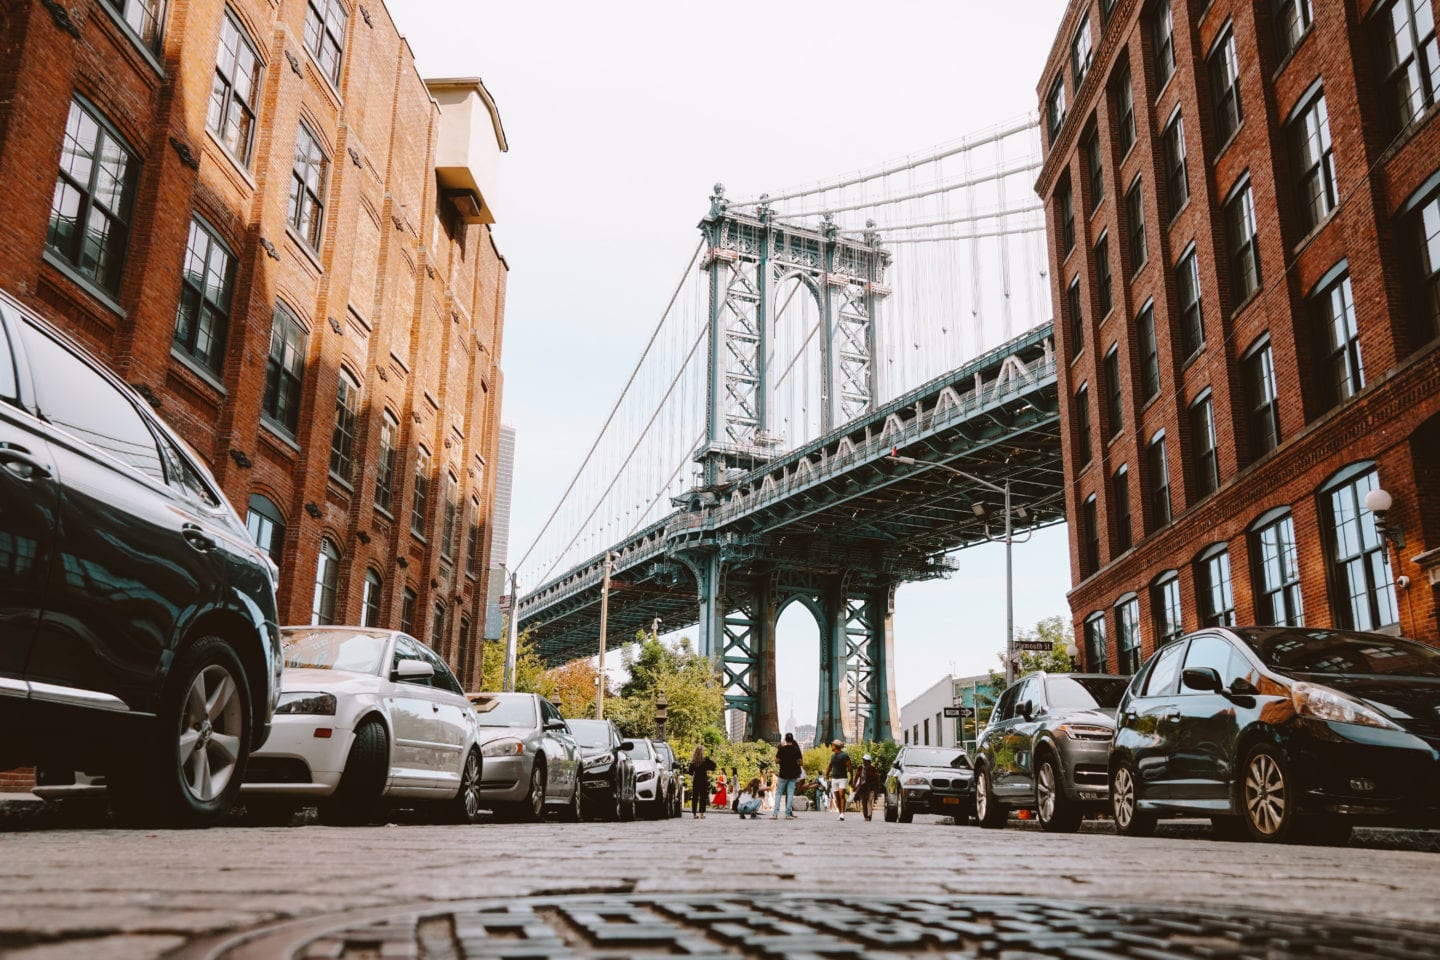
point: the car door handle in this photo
(19, 462)
(196, 537)
(435, 707)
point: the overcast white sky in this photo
(621, 116)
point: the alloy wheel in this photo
(211, 722)
(1045, 791)
(1265, 795)
(537, 792)
(470, 786)
(1124, 797)
(982, 795)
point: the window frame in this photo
(1215, 592)
(1176, 165)
(1316, 186)
(1075, 308)
(223, 96)
(1205, 453)
(1223, 67)
(305, 211)
(1278, 554)
(285, 381)
(1128, 639)
(1096, 646)
(1167, 608)
(318, 29)
(1262, 399)
(1090, 531)
(1341, 363)
(1350, 484)
(420, 492)
(1149, 352)
(1081, 53)
(347, 426)
(1192, 304)
(1085, 448)
(1162, 38)
(371, 598)
(1104, 279)
(1114, 393)
(327, 583)
(1403, 110)
(1158, 482)
(106, 273)
(1138, 246)
(1242, 242)
(1123, 521)
(387, 461)
(1125, 111)
(271, 516)
(1287, 40)
(207, 309)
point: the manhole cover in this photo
(625, 926)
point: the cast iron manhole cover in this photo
(625, 926)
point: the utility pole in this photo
(511, 638)
(1009, 592)
(604, 623)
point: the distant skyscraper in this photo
(500, 531)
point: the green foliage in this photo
(695, 701)
(530, 670)
(1060, 634)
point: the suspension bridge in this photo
(750, 461)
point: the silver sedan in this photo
(531, 759)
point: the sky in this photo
(620, 117)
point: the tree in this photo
(572, 686)
(1060, 634)
(529, 668)
(694, 697)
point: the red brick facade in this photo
(1330, 450)
(404, 291)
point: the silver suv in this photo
(1047, 749)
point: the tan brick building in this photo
(1243, 201)
(265, 220)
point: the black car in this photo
(930, 780)
(607, 775)
(138, 632)
(1281, 733)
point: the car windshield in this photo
(353, 650)
(591, 733)
(504, 709)
(936, 757)
(1085, 693)
(1333, 651)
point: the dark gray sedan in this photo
(929, 780)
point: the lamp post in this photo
(1008, 540)
(604, 624)
(661, 714)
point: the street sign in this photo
(504, 603)
(960, 711)
(1035, 646)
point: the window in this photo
(1107, 7)
(236, 89)
(472, 539)
(1221, 656)
(1120, 509)
(1177, 183)
(285, 370)
(1094, 168)
(1149, 354)
(1202, 437)
(1102, 275)
(452, 508)
(385, 467)
(1080, 52)
(1261, 402)
(1135, 225)
(408, 649)
(1277, 572)
(327, 575)
(1364, 593)
(1243, 248)
(1165, 602)
(437, 626)
(420, 496)
(1212, 582)
(1159, 479)
(925, 726)
(307, 187)
(206, 283)
(370, 599)
(1162, 42)
(1114, 413)
(145, 17)
(1097, 657)
(1067, 217)
(1314, 162)
(90, 212)
(1074, 307)
(342, 440)
(1341, 372)
(1292, 19)
(1224, 70)
(1125, 110)
(1055, 107)
(1192, 318)
(1166, 670)
(407, 611)
(1083, 453)
(1090, 530)
(1410, 58)
(1425, 237)
(1127, 624)
(266, 525)
(325, 35)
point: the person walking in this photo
(748, 803)
(787, 758)
(840, 769)
(867, 785)
(700, 767)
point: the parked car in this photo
(1281, 733)
(651, 778)
(1047, 749)
(365, 716)
(140, 638)
(531, 758)
(673, 776)
(607, 774)
(929, 780)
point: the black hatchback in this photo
(1281, 733)
(138, 631)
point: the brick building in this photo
(1243, 202)
(263, 218)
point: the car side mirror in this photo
(555, 725)
(627, 745)
(1204, 679)
(1027, 710)
(412, 670)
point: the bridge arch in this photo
(796, 360)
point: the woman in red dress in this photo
(721, 799)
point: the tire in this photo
(187, 772)
(1267, 800)
(903, 813)
(362, 784)
(464, 807)
(627, 810)
(890, 811)
(1130, 820)
(533, 806)
(989, 813)
(1057, 813)
(574, 811)
(269, 811)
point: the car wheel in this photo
(269, 812)
(890, 811)
(533, 805)
(574, 811)
(464, 807)
(627, 811)
(188, 773)
(903, 813)
(362, 784)
(988, 812)
(1057, 813)
(1267, 804)
(1125, 803)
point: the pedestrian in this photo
(787, 757)
(840, 767)
(867, 785)
(722, 799)
(700, 767)
(748, 803)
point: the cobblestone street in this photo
(86, 890)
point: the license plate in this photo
(950, 800)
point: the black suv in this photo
(930, 780)
(138, 631)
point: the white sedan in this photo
(365, 715)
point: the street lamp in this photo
(661, 714)
(1008, 540)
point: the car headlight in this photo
(599, 760)
(916, 782)
(504, 747)
(646, 775)
(1086, 731)
(311, 704)
(1322, 703)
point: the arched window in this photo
(1097, 656)
(266, 525)
(1127, 623)
(370, 602)
(327, 576)
(1276, 570)
(1212, 585)
(342, 439)
(1362, 586)
(452, 509)
(420, 497)
(1165, 604)
(437, 628)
